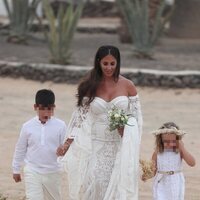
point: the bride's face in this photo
(108, 65)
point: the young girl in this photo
(169, 183)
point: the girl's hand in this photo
(189, 159)
(121, 131)
(180, 145)
(143, 177)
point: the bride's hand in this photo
(121, 131)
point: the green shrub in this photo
(2, 198)
(136, 14)
(61, 30)
(21, 14)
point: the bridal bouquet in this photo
(117, 118)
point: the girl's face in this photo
(108, 65)
(169, 141)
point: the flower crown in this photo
(172, 130)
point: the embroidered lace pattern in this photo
(78, 117)
(135, 110)
(104, 165)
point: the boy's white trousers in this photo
(42, 186)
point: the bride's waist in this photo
(105, 136)
(105, 139)
(100, 132)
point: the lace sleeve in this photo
(78, 117)
(135, 110)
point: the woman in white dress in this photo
(103, 164)
(169, 182)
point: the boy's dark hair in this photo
(45, 98)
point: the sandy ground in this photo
(158, 105)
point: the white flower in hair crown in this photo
(117, 118)
(172, 129)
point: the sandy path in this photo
(181, 106)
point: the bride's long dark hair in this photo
(90, 83)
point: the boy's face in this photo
(169, 141)
(44, 112)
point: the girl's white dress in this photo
(100, 164)
(169, 187)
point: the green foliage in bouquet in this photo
(117, 118)
(61, 30)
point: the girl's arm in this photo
(189, 159)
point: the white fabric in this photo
(170, 187)
(100, 164)
(37, 145)
(42, 186)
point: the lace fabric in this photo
(100, 164)
(135, 109)
(78, 117)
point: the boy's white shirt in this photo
(37, 145)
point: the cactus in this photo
(21, 14)
(2, 197)
(136, 14)
(61, 30)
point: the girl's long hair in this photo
(89, 85)
(159, 143)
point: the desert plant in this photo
(2, 197)
(61, 30)
(136, 14)
(21, 14)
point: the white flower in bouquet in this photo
(117, 118)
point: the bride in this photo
(103, 164)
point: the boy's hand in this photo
(61, 150)
(17, 178)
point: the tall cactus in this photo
(61, 30)
(136, 14)
(20, 14)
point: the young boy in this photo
(36, 146)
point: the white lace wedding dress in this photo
(100, 164)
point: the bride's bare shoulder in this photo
(129, 85)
